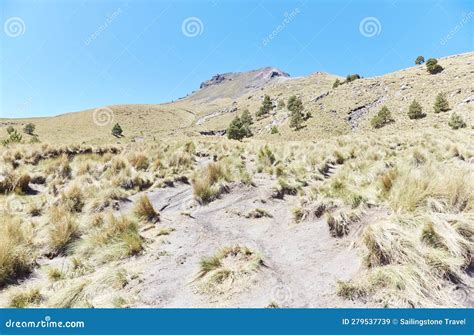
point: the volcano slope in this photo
(336, 214)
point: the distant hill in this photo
(342, 110)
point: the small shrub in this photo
(415, 111)
(419, 60)
(29, 129)
(352, 77)
(246, 118)
(274, 130)
(239, 128)
(14, 137)
(265, 156)
(456, 121)
(266, 107)
(441, 103)
(382, 118)
(117, 130)
(433, 67)
(336, 84)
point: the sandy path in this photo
(303, 260)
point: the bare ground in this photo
(302, 261)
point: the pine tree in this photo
(382, 118)
(415, 111)
(117, 130)
(295, 106)
(419, 60)
(456, 121)
(239, 127)
(441, 104)
(433, 67)
(266, 107)
(296, 120)
(352, 77)
(29, 129)
(246, 117)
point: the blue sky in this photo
(64, 56)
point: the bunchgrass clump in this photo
(144, 210)
(16, 255)
(25, 298)
(228, 269)
(210, 182)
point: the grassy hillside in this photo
(336, 214)
(214, 106)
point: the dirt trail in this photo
(303, 262)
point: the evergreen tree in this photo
(382, 118)
(117, 130)
(295, 106)
(419, 60)
(239, 127)
(296, 120)
(352, 77)
(433, 67)
(246, 117)
(456, 121)
(441, 104)
(266, 107)
(29, 129)
(415, 111)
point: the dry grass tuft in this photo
(63, 229)
(144, 210)
(228, 269)
(25, 298)
(209, 183)
(16, 255)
